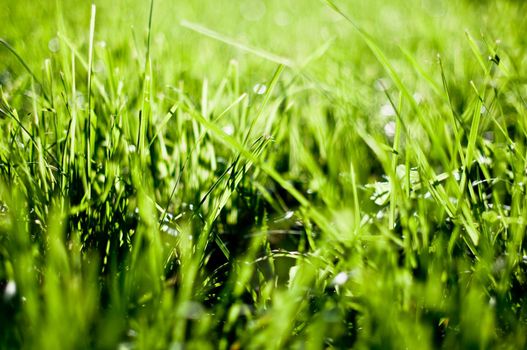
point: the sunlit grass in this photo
(263, 174)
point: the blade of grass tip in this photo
(469, 225)
(457, 122)
(317, 53)
(73, 110)
(267, 97)
(355, 193)
(232, 105)
(335, 8)
(62, 152)
(40, 139)
(41, 145)
(163, 122)
(395, 160)
(82, 61)
(88, 123)
(147, 61)
(472, 138)
(456, 118)
(495, 58)
(301, 70)
(411, 59)
(476, 52)
(235, 43)
(145, 113)
(24, 64)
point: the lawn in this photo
(263, 174)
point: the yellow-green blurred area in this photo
(293, 29)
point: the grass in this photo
(263, 174)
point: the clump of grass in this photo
(345, 182)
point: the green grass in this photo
(263, 174)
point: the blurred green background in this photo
(292, 29)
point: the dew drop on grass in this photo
(418, 97)
(387, 110)
(340, 279)
(484, 160)
(125, 346)
(9, 291)
(292, 273)
(228, 129)
(169, 230)
(488, 135)
(80, 99)
(99, 66)
(5, 79)
(54, 45)
(389, 129)
(492, 302)
(260, 89)
(287, 215)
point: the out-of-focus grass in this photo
(262, 174)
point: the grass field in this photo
(263, 174)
